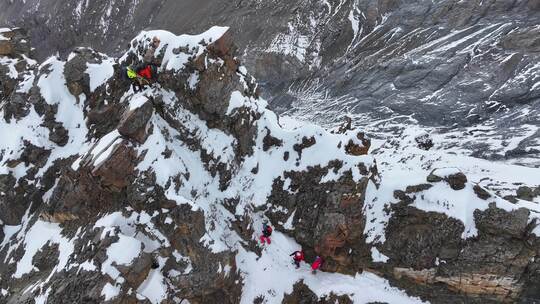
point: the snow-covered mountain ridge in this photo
(464, 70)
(159, 196)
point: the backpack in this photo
(131, 74)
(267, 230)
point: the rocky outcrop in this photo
(14, 51)
(424, 141)
(303, 295)
(527, 193)
(327, 216)
(456, 180)
(134, 123)
(14, 43)
(360, 148)
(427, 249)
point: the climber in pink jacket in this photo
(266, 233)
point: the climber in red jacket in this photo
(298, 256)
(266, 233)
(146, 72)
(317, 264)
(146, 75)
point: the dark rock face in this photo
(415, 239)
(134, 123)
(527, 193)
(424, 142)
(499, 222)
(270, 141)
(427, 252)
(14, 48)
(14, 43)
(456, 180)
(358, 149)
(328, 217)
(481, 192)
(303, 295)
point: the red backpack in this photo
(146, 72)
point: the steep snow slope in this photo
(160, 195)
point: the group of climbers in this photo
(298, 256)
(145, 72)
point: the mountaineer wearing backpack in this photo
(142, 77)
(144, 73)
(298, 256)
(316, 264)
(266, 233)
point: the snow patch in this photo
(100, 72)
(36, 237)
(377, 256)
(110, 291)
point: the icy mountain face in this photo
(466, 70)
(160, 196)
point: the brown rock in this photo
(301, 295)
(223, 46)
(58, 217)
(75, 88)
(117, 171)
(418, 188)
(306, 143)
(270, 141)
(469, 283)
(138, 270)
(6, 48)
(134, 123)
(356, 149)
(457, 181)
(525, 193)
(481, 192)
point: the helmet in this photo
(155, 41)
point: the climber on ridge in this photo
(316, 264)
(298, 256)
(145, 73)
(266, 233)
(143, 77)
